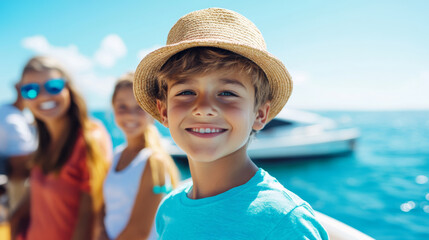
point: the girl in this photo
(71, 161)
(141, 171)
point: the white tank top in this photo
(120, 191)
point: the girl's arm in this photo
(145, 206)
(85, 220)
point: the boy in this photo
(213, 85)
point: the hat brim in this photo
(145, 76)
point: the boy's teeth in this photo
(205, 130)
(47, 105)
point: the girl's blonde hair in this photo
(79, 122)
(160, 162)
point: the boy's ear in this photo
(162, 109)
(261, 116)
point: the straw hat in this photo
(213, 27)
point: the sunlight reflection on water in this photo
(421, 179)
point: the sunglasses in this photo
(52, 86)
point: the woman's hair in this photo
(203, 60)
(79, 123)
(163, 163)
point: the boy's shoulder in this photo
(272, 196)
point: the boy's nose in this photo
(204, 108)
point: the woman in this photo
(71, 161)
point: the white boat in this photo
(338, 230)
(294, 134)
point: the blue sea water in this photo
(381, 189)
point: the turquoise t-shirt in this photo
(259, 209)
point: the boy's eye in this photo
(228, 94)
(186, 92)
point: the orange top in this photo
(55, 198)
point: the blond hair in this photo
(160, 162)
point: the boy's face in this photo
(211, 116)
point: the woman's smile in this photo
(48, 105)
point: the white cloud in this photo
(37, 43)
(112, 48)
(142, 53)
(95, 87)
(69, 56)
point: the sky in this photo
(342, 55)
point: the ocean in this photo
(381, 189)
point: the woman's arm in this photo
(144, 210)
(85, 220)
(103, 234)
(18, 219)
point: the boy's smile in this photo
(205, 131)
(211, 116)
